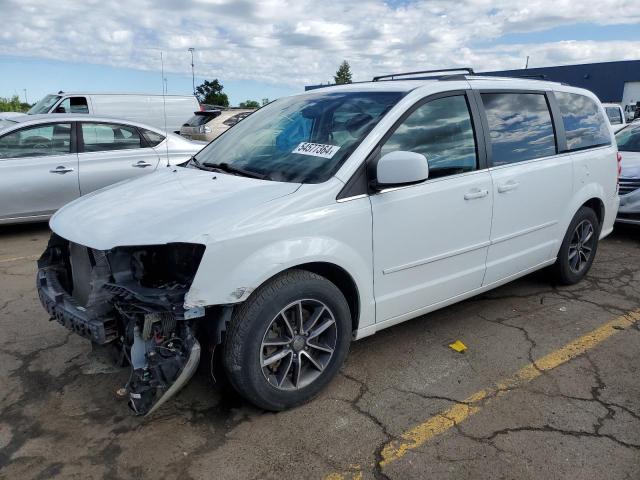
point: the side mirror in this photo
(401, 168)
(60, 109)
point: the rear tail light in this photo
(202, 108)
(619, 160)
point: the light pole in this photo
(193, 75)
(25, 95)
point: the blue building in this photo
(615, 82)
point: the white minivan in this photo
(141, 108)
(327, 216)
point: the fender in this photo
(584, 194)
(229, 275)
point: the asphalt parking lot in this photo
(548, 388)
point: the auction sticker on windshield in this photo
(316, 149)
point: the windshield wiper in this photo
(193, 160)
(225, 167)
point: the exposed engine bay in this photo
(131, 298)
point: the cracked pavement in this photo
(59, 416)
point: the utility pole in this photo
(25, 95)
(193, 75)
(526, 65)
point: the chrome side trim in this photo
(461, 251)
(526, 231)
(435, 258)
(355, 197)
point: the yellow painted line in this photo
(445, 420)
(16, 259)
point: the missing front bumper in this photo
(162, 374)
(134, 304)
(63, 308)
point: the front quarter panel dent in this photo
(212, 287)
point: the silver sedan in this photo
(628, 140)
(49, 160)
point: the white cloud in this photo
(302, 42)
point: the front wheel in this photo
(578, 249)
(288, 340)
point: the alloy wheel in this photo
(298, 344)
(581, 246)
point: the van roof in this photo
(119, 93)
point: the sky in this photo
(271, 48)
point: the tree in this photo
(343, 75)
(13, 104)
(265, 101)
(249, 104)
(211, 93)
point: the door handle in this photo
(61, 169)
(507, 187)
(476, 193)
(141, 164)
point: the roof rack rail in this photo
(469, 70)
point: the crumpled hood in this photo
(170, 205)
(630, 164)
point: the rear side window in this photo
(153, 139)
(202, 118)
(38, 141)
(614, 114)
(520, 127)
(442, 131)
(100, 137)
(583, 121)
(236, 118)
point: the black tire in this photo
(563, 270)
(254, 320)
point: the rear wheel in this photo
(578, 249)
(288, 340)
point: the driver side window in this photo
(442, 131)
(73, 105)
(37, 141)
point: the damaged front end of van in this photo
(131, 298)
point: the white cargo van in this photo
(142, 108)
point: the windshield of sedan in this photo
(303, 139)
(44, 105)
(629, 139)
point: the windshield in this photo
(304, 139)
(629, 139)
(615, 117)
(44, 105)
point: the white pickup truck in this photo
(616, 116)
